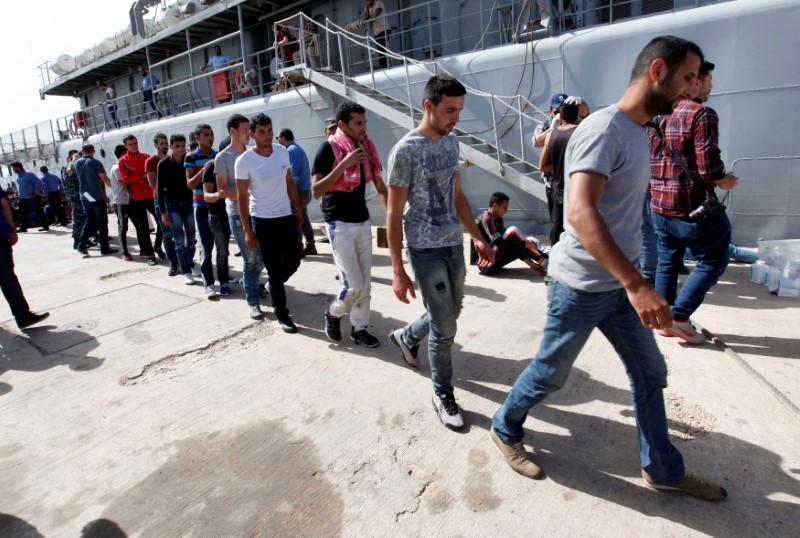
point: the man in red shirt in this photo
(161, 144)
(132, 172)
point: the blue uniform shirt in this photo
(51, 183)
(301, 170)
(29, 185)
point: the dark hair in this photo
(43, 169)
(498, 198)
(345, 111)
(119, 151)
(16, 165)
(439, 86)
(287, 134)
(157, 136)
(225, 143)
(569, 111)
(200, 127)
(176, 138)
(89, 148)
(705, 68)
(235, 121)
(259, 119)
(103, 84)
(671, 49)
(129, 137)
(72, 152)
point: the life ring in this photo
(241, 83)
(73, 129)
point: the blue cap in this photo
(557, 99)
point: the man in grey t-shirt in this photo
(423, 171)
(595, 280)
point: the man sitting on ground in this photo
(509, 243)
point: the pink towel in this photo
(342, 145)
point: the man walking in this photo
(121, 201)
(30, 198)
(161, 145)
(685, 168)
(51, 185)
(343, 167)
(423, 171)
(91, 177)
(267, 193)
(195, 164)
(595, 282)
(301, 172)
(133, 173)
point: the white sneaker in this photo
(409, 352)
(685, 331)
(188, 279)
(255, 312)
(196, 271)
(448, 411)
(211, 292)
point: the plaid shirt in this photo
(692, 132)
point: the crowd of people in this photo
(600, 165)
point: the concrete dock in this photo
(139, 408)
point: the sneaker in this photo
(173, 270)
(448, 411)
(83, 250)
(690, 485)
(684, 330)
(127, 257)
(332, 329)
(196, 271)
(109, 251)
(188, 279)
(516, 456)
(44, 229)
(211, 293)
(310, 250)
(286, 324)
(32, 319)
(255, 312)
(224, 289)
(161, 254)
(409, 352)
(151, 261)
(262, 290)
(363, 338)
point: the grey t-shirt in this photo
(224, 164)
(609, 143)
(428, 169)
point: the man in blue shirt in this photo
(52, 189)
(149, 84)
(301, 172)
(30, 198)
(91, 176)
(218, 61)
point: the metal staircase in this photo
(487, 154)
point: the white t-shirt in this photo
(269, 197)
(119, 192)
(379, 24)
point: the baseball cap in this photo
(330, 122)
(557, 99)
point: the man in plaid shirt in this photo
(690, 134)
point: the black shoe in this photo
(161, 254)
(83, 250)
(32, 319)
(332, 329)
(43, 229)
(173, 270)
(683, 270)
(363, 338)
(151, 261)
(110, 251)
(286, 324)
(22, 230)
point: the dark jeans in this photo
(183, 232)
(148, 98)
(206, 243)
(113, 111)
(222, 237)
(139, 210)
(10, 284)
(123, 212)
(278, 240)
(555, 205)
(78, 219)
(305, 230)
(96, 219)
(26, 205)
(381, 38)
(708, 241)
(166, 232)
(54, 201)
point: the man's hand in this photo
(353, 158)
(653, 309)
(728, 182)
(485, 253)
(298, 216)
(251, 239)
(165, 219)
(402, 285)
(13, 238)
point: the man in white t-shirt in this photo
(374, 12)
(270, 210)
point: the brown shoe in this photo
(690, 485)
(516, 456)
(310, 251)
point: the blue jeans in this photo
(206, 243)
(440, 273)
(571, 317)
(169, 243)
(96, 218)
(648, 257)
(251, 260)
(182, 226)
(708, 241)
(742, 255)
(305, 229)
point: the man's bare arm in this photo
(401, 283)
(485, 252)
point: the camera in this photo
(711, 207)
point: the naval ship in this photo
(511, 54)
